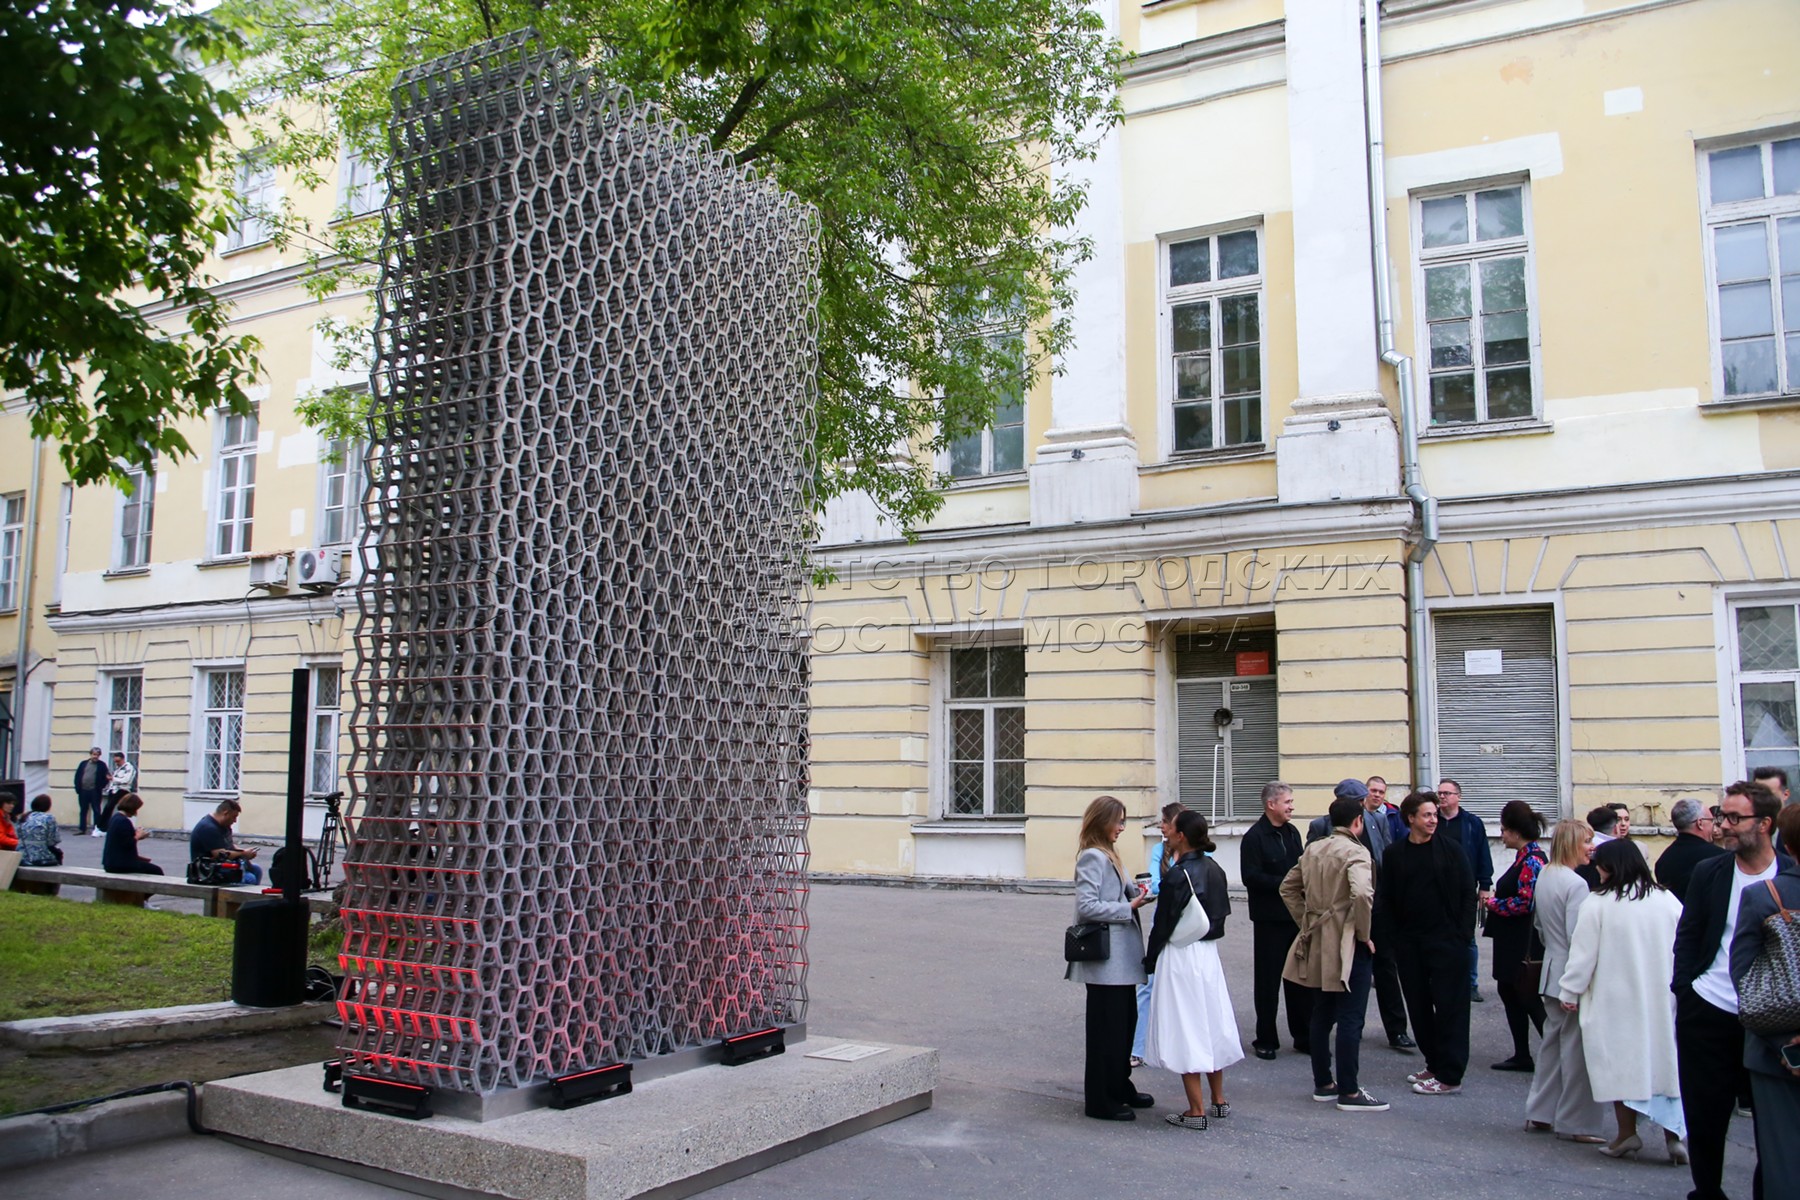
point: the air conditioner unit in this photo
(319, 569)
(269, 571)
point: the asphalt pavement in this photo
(977, 974)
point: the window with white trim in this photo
(1474, 255)
(1212, 332)
(341, 480)
(221, 729)
(985, 713)
(124, 714)
(323, 717)
(1753, 254)
(362, 189)
(64, 531)
(137, 506)
(12, 542)
(253, 203)
(1001, 446)
(1767, 637)
(235, 501)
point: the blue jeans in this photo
(1346, 1010)
(253, 874)
(1143, 1028)
(1474, 965)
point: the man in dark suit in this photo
(1693, 845)
(1709, 1042)
(1269, 851)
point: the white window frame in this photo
(986, 469)
(254, 197)
(207, 719)
(945, 731)
(1214, 292)
(12, 545)
(1474, 253)
(1770, 210)
(113, 717)
(134, 521)
(234, 479)
(343, 464)
(65, 521)
(1733, 676)
(362, 188)
(324, 728)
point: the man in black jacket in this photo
(1693, 845)
(1270, 849)
(1709, 1042)
(1427, 904)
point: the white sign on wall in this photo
(1481, 662)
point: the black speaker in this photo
(268, 954)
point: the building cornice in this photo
(1252, 41)
(307, 606)
(1765, 496)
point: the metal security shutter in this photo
(1497, 728)
(1245, 759)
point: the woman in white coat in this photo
(1561, 1100)
(1620, 962)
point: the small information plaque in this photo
(848, 1052)
(1482, 662)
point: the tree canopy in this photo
(110, 134)
(932, 136)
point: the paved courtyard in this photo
(978, 975)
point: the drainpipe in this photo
(1412, 484)
(14, 765)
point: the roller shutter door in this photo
(1497, 721)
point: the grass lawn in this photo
(61, 958)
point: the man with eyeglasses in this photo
(1693, 845)
(1709, 1042)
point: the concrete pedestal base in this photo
(670, 1137)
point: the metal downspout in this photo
(1411, 482)
(14, 765)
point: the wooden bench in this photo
(136, 889)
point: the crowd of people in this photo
(1626, 974)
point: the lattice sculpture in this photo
(580, 735)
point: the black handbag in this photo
(1090, 942)
(214, 872)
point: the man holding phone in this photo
(1773, 1062)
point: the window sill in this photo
(1252, 452)
(126, 572)
(982, 483)
(963, 826)
(247, 248)
(1750, 403)
(1484, 429)
(235, 560)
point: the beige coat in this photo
(1331, 894)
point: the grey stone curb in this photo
(28, 1140)
(181, 1023)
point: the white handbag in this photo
(1193, 925)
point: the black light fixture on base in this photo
(585, 1087)
(408, 1100)
(748, 1047)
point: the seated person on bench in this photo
(118, 853)
(212, 839)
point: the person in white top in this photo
(122, 783)
(1708, 1038)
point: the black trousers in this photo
(1435, 978)
(1111, 1024)
(1271, 940)
(1388, 996)
(1522, 1011)
(1709, 1055)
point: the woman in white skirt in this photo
(1193, 1030)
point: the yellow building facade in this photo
(1209, 573)
(175, 612)
(1204, 570)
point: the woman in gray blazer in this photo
(1561, 1100)
(1102, 894)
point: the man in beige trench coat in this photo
(1331, 894)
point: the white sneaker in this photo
(96, 833)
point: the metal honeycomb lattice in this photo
(580, 728)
